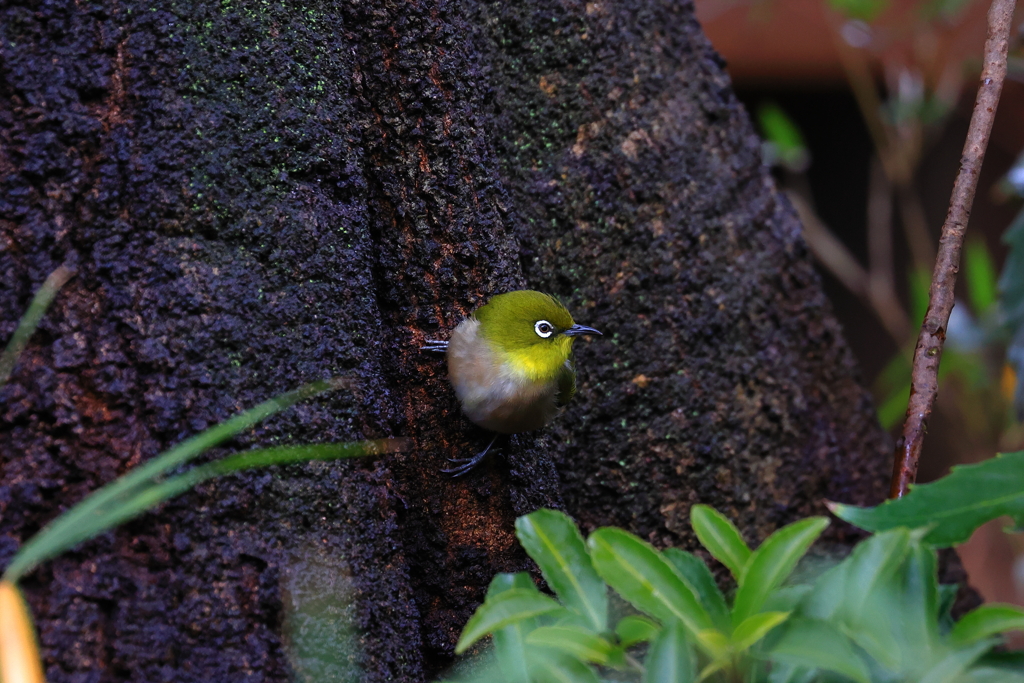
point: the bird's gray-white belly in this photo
(493, 395)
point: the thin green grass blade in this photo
(155, 493)
(87, 515)
(147, 495)
(30, 321)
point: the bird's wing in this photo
(566, 383)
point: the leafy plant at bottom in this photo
(685, 623)
(877, 616)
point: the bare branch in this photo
(924, 376)
(838, 260)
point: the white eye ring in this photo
(543, 328)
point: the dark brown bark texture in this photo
(256, 194)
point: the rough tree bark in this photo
(255, 194)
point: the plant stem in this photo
(928, 352)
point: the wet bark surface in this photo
(257, 194)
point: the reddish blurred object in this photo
(799, 41)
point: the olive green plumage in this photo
(511, 363)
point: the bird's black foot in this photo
(466, 465)
(435, 345)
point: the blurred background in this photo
(864, 106)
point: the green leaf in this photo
(859, 595)
(30, 321)
(560, 669)
(670, 659)
(552, 540)
(782, 672)
(702, 582)
(717, 646)
(779, 128)
(979, 674)
(942, 10)
(644, 578)
(895, 374)
(510, 642)
(986, 621)
(865, 10)
(711, 669)
(893, 407)
(787, 598)
(812, 644)
(997, 667)
(636, 629)
(953, 506)
(919, 283)
(754, 628)
(505, 581)
(507, 607)
(577, 642)
(918, 602)
(952, 667)
(784, 137)
(721, 538)
(839, 593)
(772, 563)
(892, 389)
(572, 620)
(947, 598)
(980, 273)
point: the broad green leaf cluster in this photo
(879, 615)
(954, 506)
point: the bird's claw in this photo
(435, 345)
(465, 465)
(462, 469)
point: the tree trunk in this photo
(259, 194)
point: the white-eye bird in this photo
(511, 364)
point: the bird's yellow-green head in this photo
(531, 330)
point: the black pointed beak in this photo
(580, 330)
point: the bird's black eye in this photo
(543, 328)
